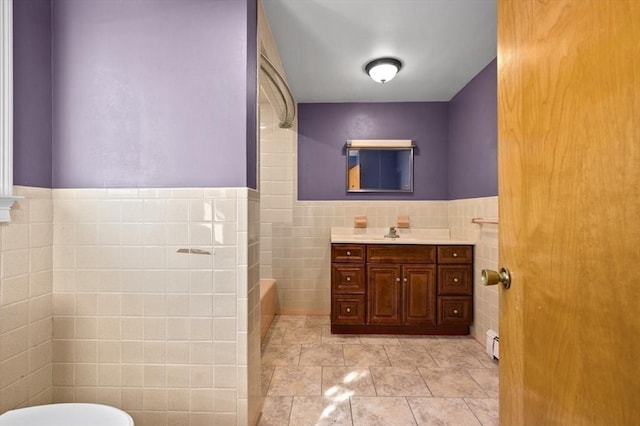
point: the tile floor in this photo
(311, 377)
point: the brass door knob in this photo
(491, 277)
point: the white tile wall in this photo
(137, 325)
(25, 301)
(486, 256)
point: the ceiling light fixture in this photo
(383, 69)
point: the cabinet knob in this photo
(455, 311)
(348, 278)
(348, 310)
(405, 280)
(398, 279)
(348, 253)
(455, 280)
(455, 255)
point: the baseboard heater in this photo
(493, 344)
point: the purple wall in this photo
(473, 137)
(323, 130)
(252, 94)
(32, 93)
(150, 93)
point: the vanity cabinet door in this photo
(347, 278)
(383, 294)
(455, 279)
(347, 309)
(419, 295)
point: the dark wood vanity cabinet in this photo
(403, 288)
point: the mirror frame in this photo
(380, 145)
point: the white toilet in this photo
(73, 414)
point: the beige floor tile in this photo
(409, 355)
(296, 381)
(320, 411)
(317, 321)
(387, 411)
(321, 355)
(346, 339)
(416, 340)
(365, 355)
(347, 381)
(266, 373)
(450, 356)
(379, 339)
(486, 410)
(288, 321)
(451, 382)
(487, 378)
(312, 377)
(276, 411)
(442, 411)
(273, 336)
(302, 336)
(281, 355)
(398, 381)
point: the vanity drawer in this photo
(455, 254)
(455, 279)
(348, 252)
(347, 278)
(454, 310)
(347, 309)
(405, 253)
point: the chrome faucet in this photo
(393, 233)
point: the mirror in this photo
(386, 166)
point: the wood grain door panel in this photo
(383, 294)
(569, 174)
(419, 295)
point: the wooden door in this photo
(383, 294)
(569, 187)
(419, 294)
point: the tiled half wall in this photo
(96, 305)
(25, 301)
(172, 338)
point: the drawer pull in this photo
(349, 279)
(455, 255)
(348, 253)
(455, 311)
(348, 310)
(455, 280)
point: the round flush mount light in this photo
(383, 69)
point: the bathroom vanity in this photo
(410, 285)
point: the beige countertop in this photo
(431, 236)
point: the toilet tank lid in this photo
(68, 414)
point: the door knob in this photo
(491, 277)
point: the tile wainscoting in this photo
(25, 301)
(97, 305)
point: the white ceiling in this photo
(325, 44)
